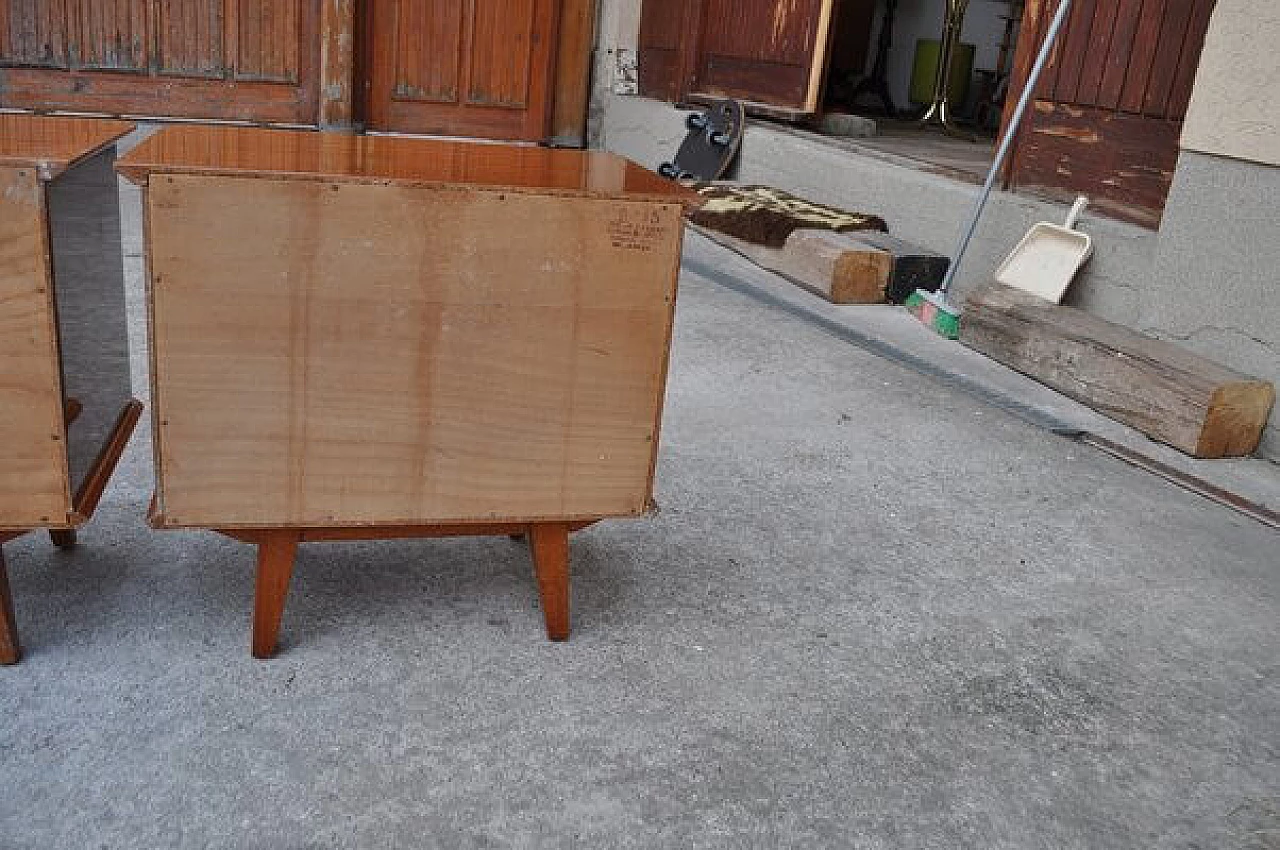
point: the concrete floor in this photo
(873, 612)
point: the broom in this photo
(934, 308)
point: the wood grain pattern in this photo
(268, 44)
(1127, 16)
(34, 488)
(550, 545)
(276, 553)
(500, 53)
(112, 35)
(428, 40)
(1166, 392)
(1125, 163)
(333, 354)
(764, 50)
(236, 59)
(665, 47)
(483, 69)
(33, 33)
(52, 145)
(241, 151)
(572, 86)
(836, 267)
(338, 66)
(190, 37)
(1108, 110)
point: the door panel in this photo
(240, 59)
(664, 25)
(769, 52)
(112, 35)
(33, 33)
(268, 41)
(1108, 109)
(190, 38)
(480, 69)
(428, 43)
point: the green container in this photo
(925, 71)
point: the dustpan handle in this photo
(1015, 121)
(1076, 209)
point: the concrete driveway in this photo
(873, 612)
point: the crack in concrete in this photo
(1207, 329)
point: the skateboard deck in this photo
(714, 138)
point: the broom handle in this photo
(1027, 91)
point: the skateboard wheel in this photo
(669, 170)
(696, 121)
(721, 139)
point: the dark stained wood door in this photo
(769, 52)
(480, 68)
(1108, 110)
(252, 60)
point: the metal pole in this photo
(1028, 90)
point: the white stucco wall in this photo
(1235, 106)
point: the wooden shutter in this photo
(770, 52)
(241, 59)
(1108, 110)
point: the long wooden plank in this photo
(1166, 392)
(34, 488)
(349, 354)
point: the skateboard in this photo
(713, 141)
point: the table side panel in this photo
(34, 490)
(337, 353)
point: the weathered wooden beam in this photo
(1164, 391)
(337, 64)
(833, 265)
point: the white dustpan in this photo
(1048, 257)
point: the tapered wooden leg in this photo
(276, 552)
(550, 544)
(9, 649)
(63, 538)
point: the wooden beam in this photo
(833, 265)
(572, 91)
(1164, 391)
(337, 64)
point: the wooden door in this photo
(767, 52)
(233, 59)
(482, 68)
(1108, 110)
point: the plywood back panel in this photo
(33, 474)
(335, 353)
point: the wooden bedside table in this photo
(361, 337)
(66, 405)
